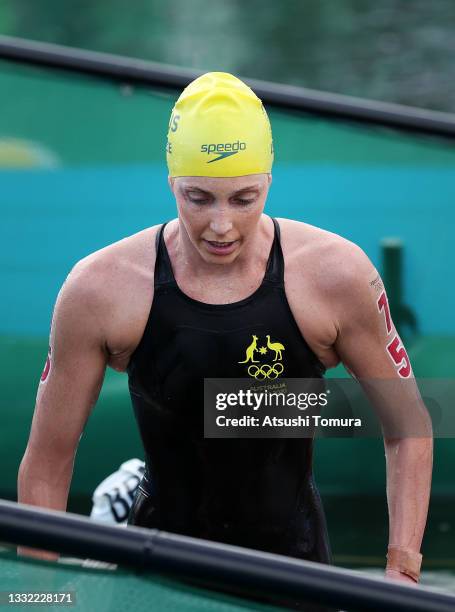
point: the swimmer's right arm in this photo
(78, 358)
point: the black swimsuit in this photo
(257, 493)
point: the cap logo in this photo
(222, 150)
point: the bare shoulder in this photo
(122, 262)
(328, 281)
(332, 262)
(114, 285)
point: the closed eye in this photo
(243, 201)
(197, 197)
(198, 200)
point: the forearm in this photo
(409, 467)
(44, 484)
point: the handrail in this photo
(279, 95)
(219, 565)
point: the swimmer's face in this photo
(220, 214)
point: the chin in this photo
(222, 261)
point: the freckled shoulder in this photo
(123, 274)
(325, 258)
(302, 246)
(121, 261)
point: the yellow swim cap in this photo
(219, 127)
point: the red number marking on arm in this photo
(399, 355)
(384, 305)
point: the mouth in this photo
(221, 248)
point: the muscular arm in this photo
(369, 346)
(66, 397)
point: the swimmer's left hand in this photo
(396, 575)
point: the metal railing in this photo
(132, 70)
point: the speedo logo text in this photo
(223, 149)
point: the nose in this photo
(220, 223)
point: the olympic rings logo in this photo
(266, 371)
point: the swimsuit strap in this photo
(163, 267)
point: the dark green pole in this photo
(392, 275)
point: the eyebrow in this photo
(243, 190)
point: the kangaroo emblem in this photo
(275, 346)
(250, 351)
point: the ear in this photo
(170, 180)
(269, 176)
